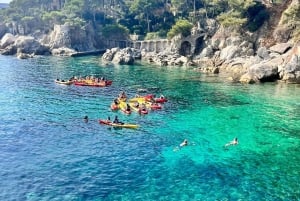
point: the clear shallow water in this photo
(48, 152)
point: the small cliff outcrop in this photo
(63, 40)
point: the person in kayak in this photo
(128, 109)
(122, 95)
(116, 120)
(233, 142)
(116, 101)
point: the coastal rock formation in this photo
(7, 40)
(22, 44)
(29, 45)
(165, 58)
(109, 54)
(64, 40)
(124, 56)
(289, 71)
(62, 51)
(71, 37)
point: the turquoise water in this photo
(48, 152)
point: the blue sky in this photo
(5, 1)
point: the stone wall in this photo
(152, 45)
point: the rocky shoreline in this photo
(246, 57)
(280, 62)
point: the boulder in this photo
(62, 51)
(10, 50)
(207, 52)
(248, 78)
(264, 72)
(7, 40)
(290, 72)
(263, 53)
(230, 52)
(281, 48)
(21, 55)
(109, 54)
(28, 45)
(124, 57)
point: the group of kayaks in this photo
(139, 104)
(88, 81)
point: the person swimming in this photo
(233, 142)
(86, 119)
(184, 143)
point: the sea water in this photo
(47, 151)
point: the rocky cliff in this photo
(269, 54)
(63, 40)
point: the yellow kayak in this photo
(123, 107)
(125, 125)
(138, 99)
(133, 107)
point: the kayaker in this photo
(122, 95)
(116, 120)
(184, 143)
(136, 104)
(233, 142)
(116, 101)
(128, 107)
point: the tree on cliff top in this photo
(236, 13)
(181, 27)
(147, 7)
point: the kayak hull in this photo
(93, 84)
(114, 106)
(109, 123)
(64, 82)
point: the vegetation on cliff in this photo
(157, 18)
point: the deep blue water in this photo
(47, 151)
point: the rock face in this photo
(124, 56)
(290, 71)
(63, 40)
(22, 44)
(29, 45)
(7, 40)
(72, 37)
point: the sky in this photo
(5, 1)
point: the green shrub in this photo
(232, 19)
(181, 27)
(115, 30)
(152, 36)
(291, 15)
(296, 35)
